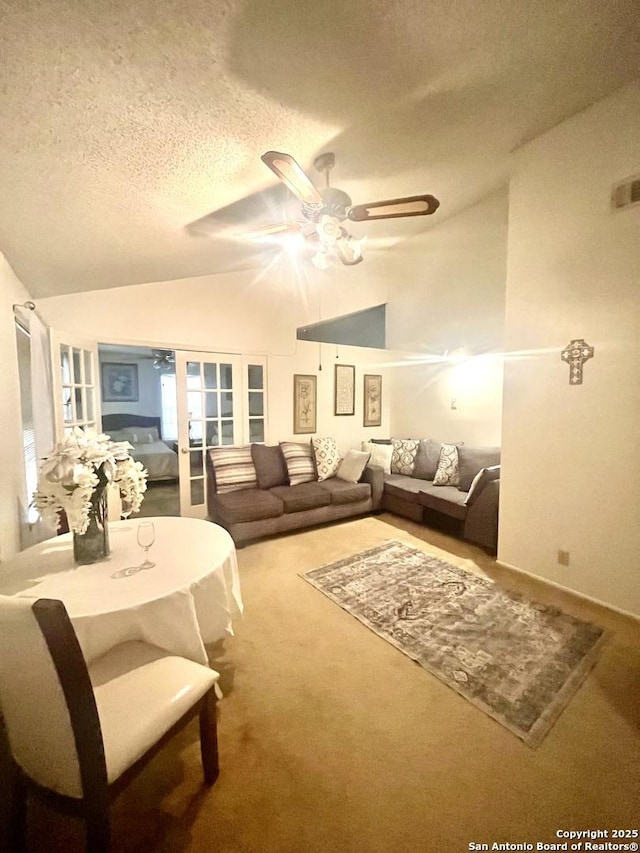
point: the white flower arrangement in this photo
(82, 463)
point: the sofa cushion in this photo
(246, 505)
(270, 466)
(327, 456)
(403, 486)
(234, 468)
(301, 497)
(352, 466)
(343, 492)
(448, 473)
(427, 458)
(445, 499)
(404, 454)
(299, 461)
(379, 454)
(484, 476)
(472, 459)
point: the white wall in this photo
(571, 454)
(13, 500)
(450, 299)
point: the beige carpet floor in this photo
(332, 740)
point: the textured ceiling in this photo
(122, 123)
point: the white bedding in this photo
(160, 461)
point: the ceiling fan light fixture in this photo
(350, 250)
(321, 260)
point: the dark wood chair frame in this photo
(76, 685)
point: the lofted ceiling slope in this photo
(124, 123)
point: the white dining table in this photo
(186, 600)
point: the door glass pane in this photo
(89, 400)
(197, 492)
(193, 374)
(255, 376)
(210, 375)
(256, 401)
(195, 433)
(196, 463)
(77, 372)
(226, 376)
(226, 404)
(194, 404)
(227, 432)
(211, 404)
(65, 365)
(66, 405)
(212, 434)
(88, 365)
(256, 430)
(79, 406)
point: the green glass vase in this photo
(93, 545)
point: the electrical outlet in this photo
(563, 557)
(454, 403)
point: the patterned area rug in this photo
(517, 660)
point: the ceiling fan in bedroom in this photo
(163, 359)
(325, 210)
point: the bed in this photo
(144, 434)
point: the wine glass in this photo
(146, 538)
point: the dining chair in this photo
(79, 733)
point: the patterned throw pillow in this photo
(299, 460)
(404, 455)
(234, 468)
(380, 454)
(448, 473)
(327, 457)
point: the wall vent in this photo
(626, 193)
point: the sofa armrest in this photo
(481, 522)
(374, 475)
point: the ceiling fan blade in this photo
(293, 176)
(293, 226)
(414, 205)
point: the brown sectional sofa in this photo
(471, 510)
(255, 512)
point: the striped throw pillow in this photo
(299, 460)
(234, 468)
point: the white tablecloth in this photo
(187, 599)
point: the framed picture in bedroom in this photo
(372, 400)
(344, 390)
(304, 402)
(119, 382)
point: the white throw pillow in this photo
(352, 466)
(380, 454)
(327, 457)
(448, 473)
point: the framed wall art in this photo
(344, 389)
(304, 402)
(372, 400)
(119, 382)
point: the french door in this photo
(210, 414)
(75, 383)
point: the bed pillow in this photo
(448, 473)
(298, 458)
(327, 457)
(352, 466)
(119, 434)
(473, 459)
(270, 466)
(234, 468)
(404, 454)
(379, 454)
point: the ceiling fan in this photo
(163, 359)
(324, 210)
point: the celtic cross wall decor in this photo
(575, 354)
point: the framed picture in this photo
(345, 390)
(372, 400)
(304, 403)
(119, 382)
